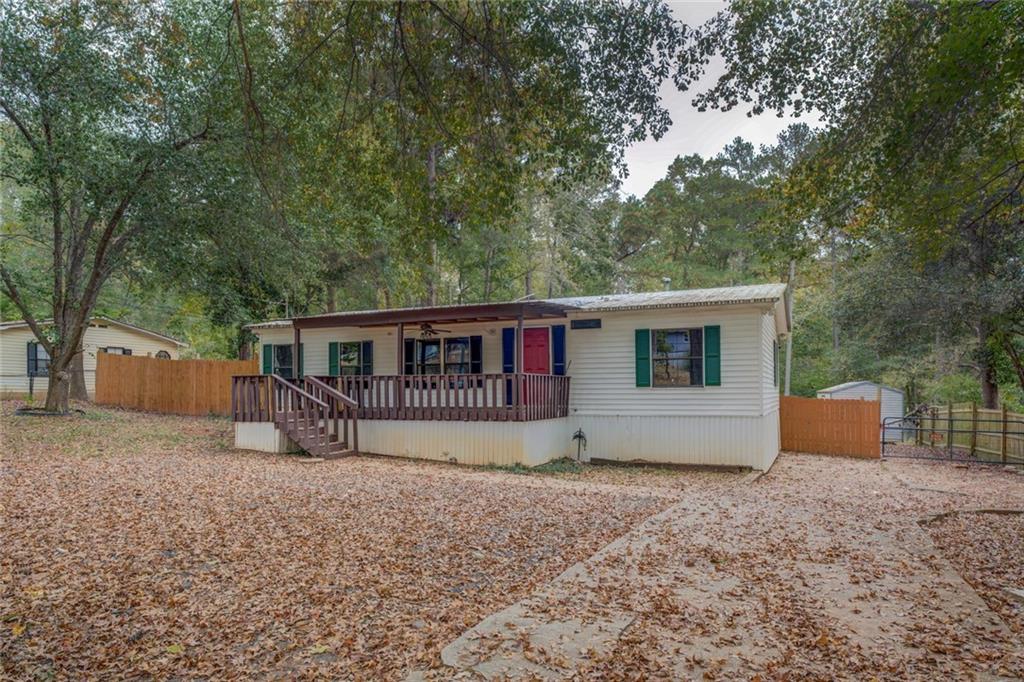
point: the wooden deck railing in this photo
(436, 397)
(457, 397)
(317, 417)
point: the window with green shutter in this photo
(278, 359)
(350, 358)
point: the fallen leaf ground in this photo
(143, 546)
(821, 569)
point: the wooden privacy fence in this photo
(831, 427)
(195, 387)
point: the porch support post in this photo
(400, 359)
(296, 351)
(517, 391)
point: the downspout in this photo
(789, 323)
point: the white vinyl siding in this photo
(100, 334)
(770, 389)
(602, 364)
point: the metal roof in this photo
(752, 293)
(469, 312)
(552, 307)
(269, 324)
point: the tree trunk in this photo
(432, 278)
(59, 384)
(986, 368)
(1016, 359)
(77, 368)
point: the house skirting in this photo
(705, 440)
(717, 441)
(462, 442)
(262, 436)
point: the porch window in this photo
(38, 360)
(677, 357)
(283, 361)
(457, 355)
(428, 356)
(350, 360)
(116, 350)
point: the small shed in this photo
(892, 400)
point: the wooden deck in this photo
(436, 397)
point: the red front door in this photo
(536, 351)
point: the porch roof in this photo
(472, 312)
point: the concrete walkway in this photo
(792, 574)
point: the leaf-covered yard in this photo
(139, 545)
(142, 545)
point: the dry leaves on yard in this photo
(140, 545)
(819, 570)
(988, 551)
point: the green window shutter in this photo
(643, 357)
(268, 359)
(367, 358)
(300, 374)
(332, 359)
(713, 356)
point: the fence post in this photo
(949, 431)
(974, 427)
(1002, 445)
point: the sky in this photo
(694, 132)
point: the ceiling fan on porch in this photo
(427, 330)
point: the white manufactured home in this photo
(683, 377)
(24, 364)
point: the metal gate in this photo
(926, 434)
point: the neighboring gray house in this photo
(892, 400)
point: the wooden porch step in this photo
(338, 450)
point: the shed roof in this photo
(851, 384)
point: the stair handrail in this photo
(292, 387)
(350, 410)
(333, 392)
(321, 409)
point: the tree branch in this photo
(12, 292)
(9, 112)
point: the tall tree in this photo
(109, 107)
(924, 116)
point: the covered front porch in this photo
(484, 363)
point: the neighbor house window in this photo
(163, 355)
(116, 350)
(350, 361)
(677, 357)
(457, 355)
(283, 364)
(38, 360)
(428, 356)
